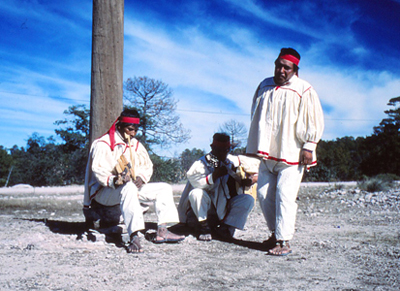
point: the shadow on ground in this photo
(185, 230)
(80, 229)
(115, 235)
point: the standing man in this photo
(215, 187)
(286, 125)
(109, 183)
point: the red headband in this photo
(133, 120)
(290, 58)
(123, 119)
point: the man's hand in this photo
(121, 179)
(138, 182)
(305, 157)
(254, 178)
(126, 178)
(219, 172)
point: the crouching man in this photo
(118, 173)
(216, 185)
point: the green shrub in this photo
(388, 177)
(382, 182)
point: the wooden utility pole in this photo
(107, 65)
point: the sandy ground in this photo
(345, 239)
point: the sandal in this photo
(204, 237)
(134, 246)
(203, 231)
(163, 235)
(282, 248)
(225, 232)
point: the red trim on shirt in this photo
(281, 160)
(283, 88)
(263, 153)
(105, 142)
(109, 144)
(208, 182)
(94, 194)
(293, 91)
(127, 146)
(137, 146)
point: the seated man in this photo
(215, 185)
(109, 181)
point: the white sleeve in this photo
(200, 176)
(103, 164)
(310, 123)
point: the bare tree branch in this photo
(153, 99)
(236, 130)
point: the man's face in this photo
(130, 130)
(220, 152)
(284, 70)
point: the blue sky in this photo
(212, 54)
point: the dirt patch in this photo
(345, 240)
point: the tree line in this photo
(44, 162)
(354, 159)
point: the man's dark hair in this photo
(221, 137)
(293, 52)
(128, 113)
(289, 51)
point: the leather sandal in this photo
(135, 246)
(165, 236)
(282, 248)
(204, 231)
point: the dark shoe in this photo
(165, 236)
(134, 246)
(270, 242)
(225, 232)
(204, 231)
(282, 248)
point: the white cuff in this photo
(310, 146)
(209, 180)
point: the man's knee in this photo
(129, 188)
(163, 187)
(198, 195)
(249, 201)
(244, 201)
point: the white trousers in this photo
(238, 207)
(278, 186)
(129, 198)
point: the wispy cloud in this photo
(318, 20)
(207, 68)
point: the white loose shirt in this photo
(100, 169)
(200, 177)
(284, 120)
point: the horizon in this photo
(211, 54)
